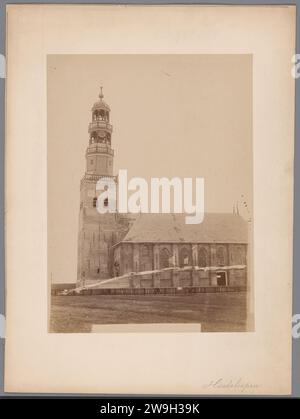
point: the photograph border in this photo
(296, 263)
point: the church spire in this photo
(99, 153)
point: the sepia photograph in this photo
(149, 185)
(149, 192)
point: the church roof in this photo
(100, 104)
(164, 228)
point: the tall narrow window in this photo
(164, 256)
(106, 202)
(239, 256)
(220, 256)
(203, 258)
(95, 202)
(145, 251)
(184, 258)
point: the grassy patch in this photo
(220, 312)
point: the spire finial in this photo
(101, 96)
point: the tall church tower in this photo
(97, 232)
(99, 154)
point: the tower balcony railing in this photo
(99, 125)
(99, 149)
(95, 177)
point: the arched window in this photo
(220, 256)
(94, 137)
(145, 251)
(164, 256)
(202, 257)
(239, 256)
(184, 257)
(95, 202)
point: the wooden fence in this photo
(151, 291)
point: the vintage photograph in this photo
(149, 181)
(149, 166)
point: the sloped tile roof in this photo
(164, 228)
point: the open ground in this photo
(217, 312)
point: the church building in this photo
(98, 232)
(211, 253)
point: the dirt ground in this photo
(217, 312)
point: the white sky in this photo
(173, 115)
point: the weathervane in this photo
(101, 96)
